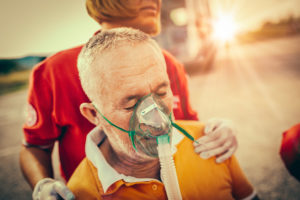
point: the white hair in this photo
(98, 45)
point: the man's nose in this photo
(158, 123)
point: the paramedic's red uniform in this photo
(290, 150)
(55, 94)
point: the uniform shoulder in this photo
(64, 56)
(173, 65)
(67, 52)
(169, 57)
(57, 62)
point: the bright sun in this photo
(224, 28)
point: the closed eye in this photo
(130, 108)
(162, 94)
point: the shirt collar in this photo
(111, 176)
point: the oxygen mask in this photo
(151, 119)
(150, 123)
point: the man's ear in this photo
(89, 112)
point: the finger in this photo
(220, 131)
(214, 147)
(63, 191)
(211, 125)
(204, 140)
(226, 155)
(214, 144)
(207, 142)
(216, 151)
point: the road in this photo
(256, 86)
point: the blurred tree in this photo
(7, 66)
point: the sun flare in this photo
(224, 28)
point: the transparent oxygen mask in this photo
(150, 120)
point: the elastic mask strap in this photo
(130, 133)
(121, 129)
(182, 130)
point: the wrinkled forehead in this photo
(130, 60)
(126, 50)
(131, 69)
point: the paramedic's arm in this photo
(35, 164)
(40, 129)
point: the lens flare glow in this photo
(225, 28)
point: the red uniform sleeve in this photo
(189, 112)
(182, 108)
(40, 127)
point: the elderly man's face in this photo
(134, 72)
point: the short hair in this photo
(101, 43)
(106, 10)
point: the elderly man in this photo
(123, 73)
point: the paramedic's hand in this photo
(50, 189)
(219, 140)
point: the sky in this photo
(43, 27)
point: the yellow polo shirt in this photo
(198, 178)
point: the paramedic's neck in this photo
(128, 166)
(116, 24)
(109, 25)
